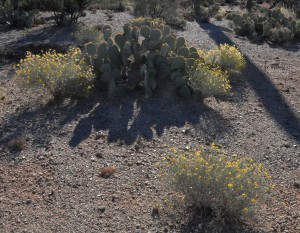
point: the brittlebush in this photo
(226, 57)
(229, 185)
(209, 80)
(63, 75)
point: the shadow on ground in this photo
(49, 37)
(133, 116)
(124, 119)
(202, 222)
(267, 92)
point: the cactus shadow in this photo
(38, 126)
(134, 116)
(267, 92)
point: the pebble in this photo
(297, 183)
(101, 209)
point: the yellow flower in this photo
(230, 185)
(253, 201)
(244, 195)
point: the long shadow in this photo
(50, 37)
(135, 116)
(40, 124)
(269, 95)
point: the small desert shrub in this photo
(68, 11)
(63, 75)
(209, 178)
(2, 94)
(165, 9)
(280, 34)
(155, 8)
(175, 21)
(227, 57)
(85, 34)
(209, 80)
(17, 144)
(147, 21)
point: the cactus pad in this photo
(177, 63)
(184, 51)
(145, 31)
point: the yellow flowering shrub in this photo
(229, 185)
(63, 75)
(227, 57)
(209, 80)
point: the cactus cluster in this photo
(141, 56)
(21, 18)
(267, 26)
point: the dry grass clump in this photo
(228, 185)
(63, 75)
(2, 94)
(86, 34)
(17, 144)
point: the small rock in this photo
(139, 162)
(99, 155)
(28, 201)
(101, 209)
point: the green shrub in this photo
(68, 11)
(63, 75)
(14, 14)
(175, 21)
(227, 57)
(165, 9)
(155, 8)
(209, 80)
(209, 178)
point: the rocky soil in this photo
(54, 183)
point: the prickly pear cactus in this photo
(141, 56)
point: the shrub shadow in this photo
(202, 221)
(267, 92)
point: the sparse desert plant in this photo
(86, 34)
(227, 57)
(280, 34)
(63, 75)
(68, 11)
(211, 179)
(2, 94)
(17, 144)
(209, 80)
(146, 21)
